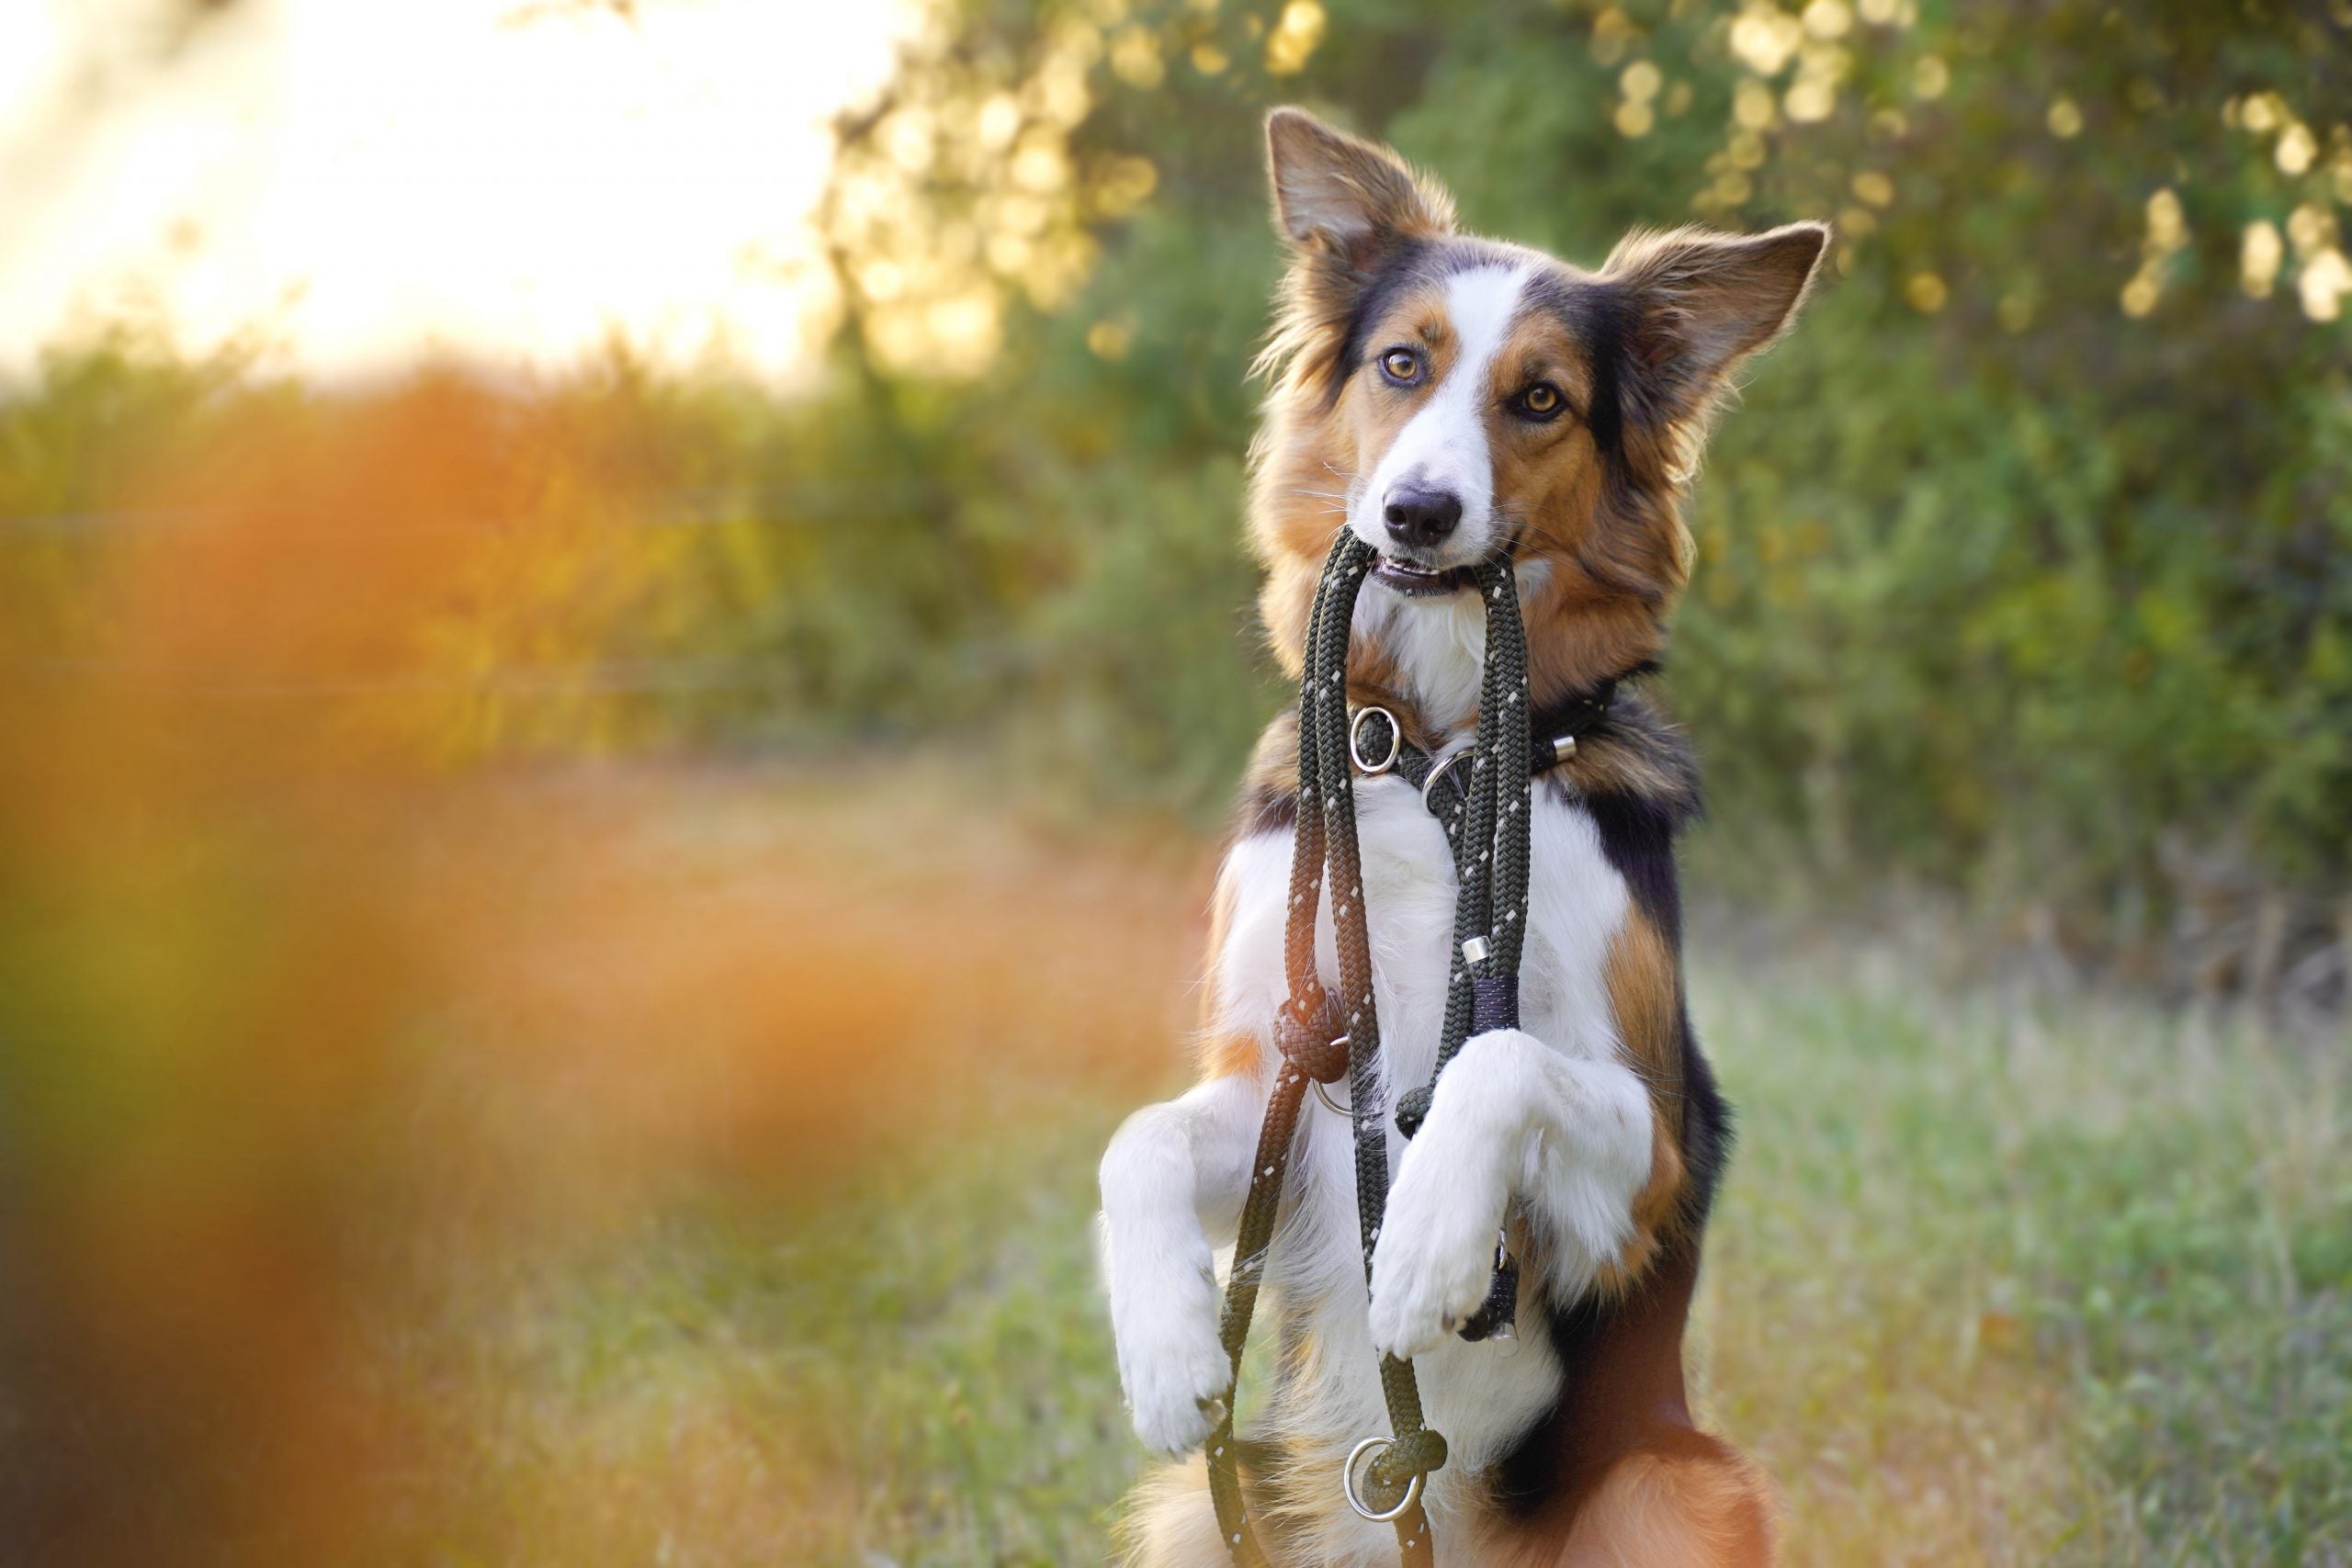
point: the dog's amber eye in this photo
(1541, 401)
(1401, 364)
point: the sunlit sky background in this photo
(358, 181)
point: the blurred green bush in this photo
(2024, 563)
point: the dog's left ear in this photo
(1341, 199)
(1700, 302)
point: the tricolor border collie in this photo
(1446, 397)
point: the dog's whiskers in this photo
(1529, 528)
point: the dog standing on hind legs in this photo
(1452, 399)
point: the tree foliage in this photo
(2024, 564)
(2024, 560)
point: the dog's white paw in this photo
(1435, 1257)
(1172, 1365)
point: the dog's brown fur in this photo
(1620, 553)
(1641, 350)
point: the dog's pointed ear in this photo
(1700, 302)
(1344, 198)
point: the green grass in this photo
(1991, 1282)
(2000, 1283)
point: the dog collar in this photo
(1377, 744)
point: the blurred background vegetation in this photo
(2025, 570)
(484, 853)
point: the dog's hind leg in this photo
(1683, 1500)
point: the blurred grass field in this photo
(2022, 1279)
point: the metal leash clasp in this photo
(1496, 1317)
(1444, 766)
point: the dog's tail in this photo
(1169, 1521)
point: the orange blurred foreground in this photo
(288, 1000)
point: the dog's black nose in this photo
(1421, 517)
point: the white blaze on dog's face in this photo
(1428, 501)
(1452, 398)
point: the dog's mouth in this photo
(1423, 581)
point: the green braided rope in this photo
(1490, 833)
(1306, 1005)
(1512, 742)
(1355, 1007)
(1329, 626)
(1490, 837)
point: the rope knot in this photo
(1306, 1031)
(1408, 1455)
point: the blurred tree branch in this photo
(532, 11)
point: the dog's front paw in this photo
(1435, 1257)
(1173, 1368)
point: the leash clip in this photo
(1444, 765)
(1323, 1094)
(1496, 1316)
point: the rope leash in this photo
(1321, 1036)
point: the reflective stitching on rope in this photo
(1325, 839)
(1493, 813)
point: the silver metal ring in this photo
(1438, 772)
(1355, 736)
(1324, 1095)
(1348, 1484)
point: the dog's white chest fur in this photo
(1480, 1395)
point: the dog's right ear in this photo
(1346, 199)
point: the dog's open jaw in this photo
(1413, 582)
